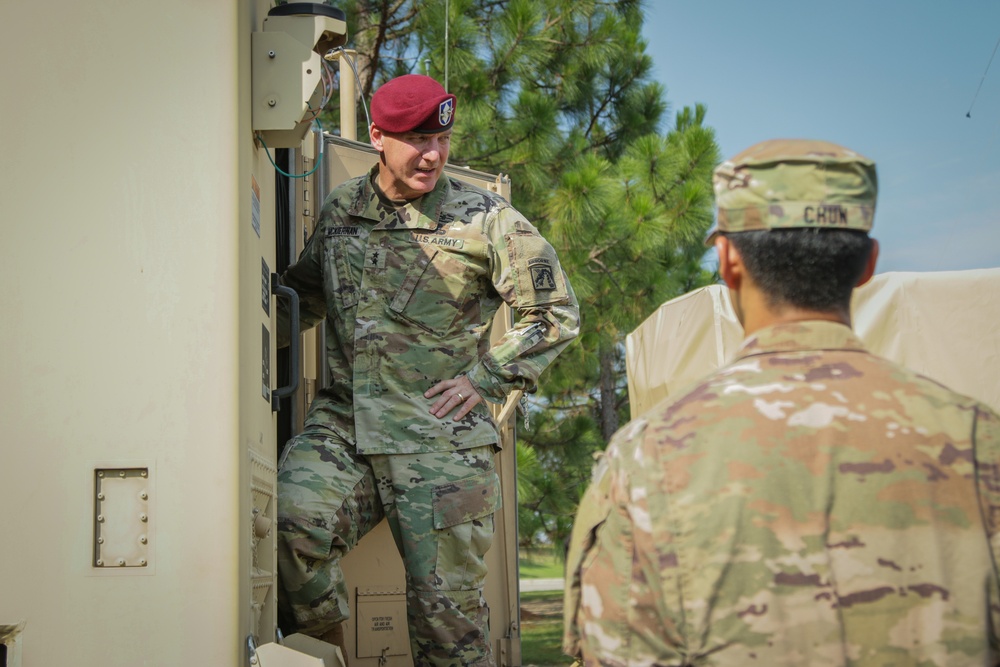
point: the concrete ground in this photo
(541, 584)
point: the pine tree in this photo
(559, 95)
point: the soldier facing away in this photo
(408, 267)
(810, 503)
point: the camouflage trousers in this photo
(440, 509)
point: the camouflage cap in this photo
(786, 183)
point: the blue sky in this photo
(891, 79)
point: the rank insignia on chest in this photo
(542, 277)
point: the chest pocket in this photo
(340, 282)
(435, 291)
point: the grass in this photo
(541, 630)
(540, 596)
(541, 643)
(541, 634)
(536, 564)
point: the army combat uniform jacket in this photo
(809, 504)
(408, 295)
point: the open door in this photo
(377, 633)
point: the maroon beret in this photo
(412, 103)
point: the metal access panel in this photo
(121, 518)
(376, 633)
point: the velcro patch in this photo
(343, 231)
(446, 241)
(826, 214)
(542, 276)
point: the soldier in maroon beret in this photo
(412, 117)
(407, 267)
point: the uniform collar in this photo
(801, 336)
(422, 213)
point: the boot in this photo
(335, 636)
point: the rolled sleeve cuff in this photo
(488, 382)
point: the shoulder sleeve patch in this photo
(538, 277)
(542, 276)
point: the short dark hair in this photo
(815, 269)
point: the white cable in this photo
(357, 80)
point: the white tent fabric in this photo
(945, 325)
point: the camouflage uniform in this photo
(408, 294)
(810, 503)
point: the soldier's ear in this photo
(869, 271)
(731, 268)
(375, 136)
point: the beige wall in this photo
(123, 189)
(130, 324)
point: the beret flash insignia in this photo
(445, 111)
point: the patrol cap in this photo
(786, 183)
(413, 103)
